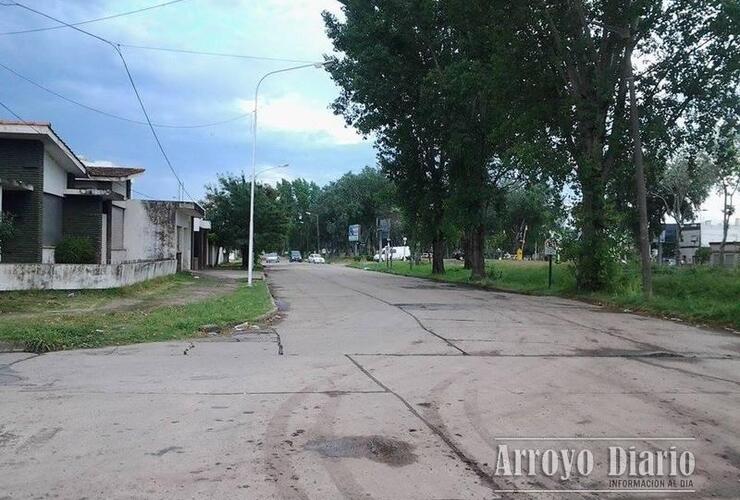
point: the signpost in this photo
(551, 249)
(354, 232)
(353, 236)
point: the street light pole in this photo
(250, 264)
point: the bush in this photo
(357, 258)
(702, 255)
(75, 250)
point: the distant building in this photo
(732, 253)
(693, 237)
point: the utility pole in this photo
(250, 266)
(647, 281)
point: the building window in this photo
(52, 219)
(116, 228)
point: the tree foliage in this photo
(227, 204)
(455, 90)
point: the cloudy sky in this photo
(295, 124)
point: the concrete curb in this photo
(12, 347)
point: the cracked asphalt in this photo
(388, 387)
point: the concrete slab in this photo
(389, 387)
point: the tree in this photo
(227, 204)
(570, 61)
(538, 207)
(298, 197)
(683, 188)
(392, 54)
(723, 159)
(359, 198)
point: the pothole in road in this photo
(376, 448)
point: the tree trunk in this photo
(725, 227)
(438, 263)
(677, 251)
(647, 280)
(465, 247)
(245, 256)
(593, 258)
(477, 255)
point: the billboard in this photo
(354, 232)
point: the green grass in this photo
(701, 295)
(74, 330)
(51, 301)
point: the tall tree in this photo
(390, 52)
(227, 204)
(578, 50)
(723, 159)
(683, 188)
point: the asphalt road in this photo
(388, 387)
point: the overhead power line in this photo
(142, 194)
(216, 54)
(112, 115)
(18, 117)
(147, 47)
(181, 185)
(88, 21)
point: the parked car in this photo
(272, 258)
(458, 255)
(396, 253)
(295, 256)
(315, 258)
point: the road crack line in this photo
(469, 462)
(418, 321)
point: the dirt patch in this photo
(376, 448)
(199, 290)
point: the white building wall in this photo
(186, 239)
(713, 232)
(149, 231)
(55, 177)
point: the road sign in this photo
(354, 232)
(551, 247)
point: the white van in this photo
(396, 253)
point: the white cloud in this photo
(295, 114)
(713, 206)
(273, 176)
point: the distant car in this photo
(458, 255)
(315, 258)
(272, 258)
(295, 256)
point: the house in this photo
(731, 257)
(52, 194)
